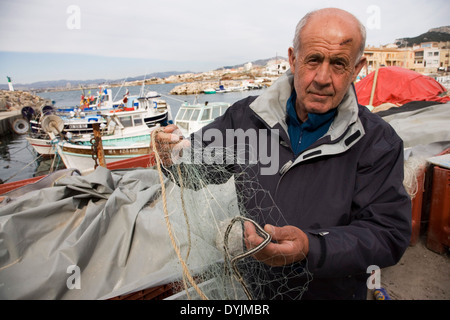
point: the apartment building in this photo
(388, 56)
(428, 57)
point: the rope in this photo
(30, 163)
(186, 272)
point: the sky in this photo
(46, 40)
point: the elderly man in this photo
(338, 187)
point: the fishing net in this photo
(214, 205)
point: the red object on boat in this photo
(144, 161)
(6, 187)
(399, 86)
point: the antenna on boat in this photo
(123, 82)
(143, 86)
(179, 100)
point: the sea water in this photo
(19, 161)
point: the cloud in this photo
(189, 30)
(172, 30)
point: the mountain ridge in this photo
(440, 34)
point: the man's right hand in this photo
(169, 143)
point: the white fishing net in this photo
(216, 213)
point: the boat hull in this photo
(43, 147)
(80, 157)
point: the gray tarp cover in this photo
(422, 127)
(110, 225)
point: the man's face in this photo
(325, 65)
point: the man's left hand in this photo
(291, 244)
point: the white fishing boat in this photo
(158, 110)
(192, 117)
(74, 127)
(125, 136)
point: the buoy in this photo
(20, 126)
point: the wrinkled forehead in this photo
(332, 30)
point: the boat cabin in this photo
(192, 117)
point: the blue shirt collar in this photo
(303, 134)
(291, 112)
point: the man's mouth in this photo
(320, 93)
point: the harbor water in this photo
(19, 161)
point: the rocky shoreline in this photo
(192, 88)
(16, 100)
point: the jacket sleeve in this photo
(380, 228)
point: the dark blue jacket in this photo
(345, 192)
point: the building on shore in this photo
(426, 57)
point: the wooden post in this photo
(98, 139)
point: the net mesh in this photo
(207, 201)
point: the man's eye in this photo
(339, 65)
(313, 61)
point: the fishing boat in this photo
(125, 136)
(74, 128)
(158, 110)
(209, 91)
(78, 123)
(192, 117)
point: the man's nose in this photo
(323, 75)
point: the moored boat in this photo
(126, 136)
(192, 117)
(209, 91)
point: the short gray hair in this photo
(301, 24)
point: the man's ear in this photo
(291, 54)
(362, 62)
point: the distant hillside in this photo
(76, 83)
(51, 84)
(160, 75)
(260, 62)
(435, 34)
